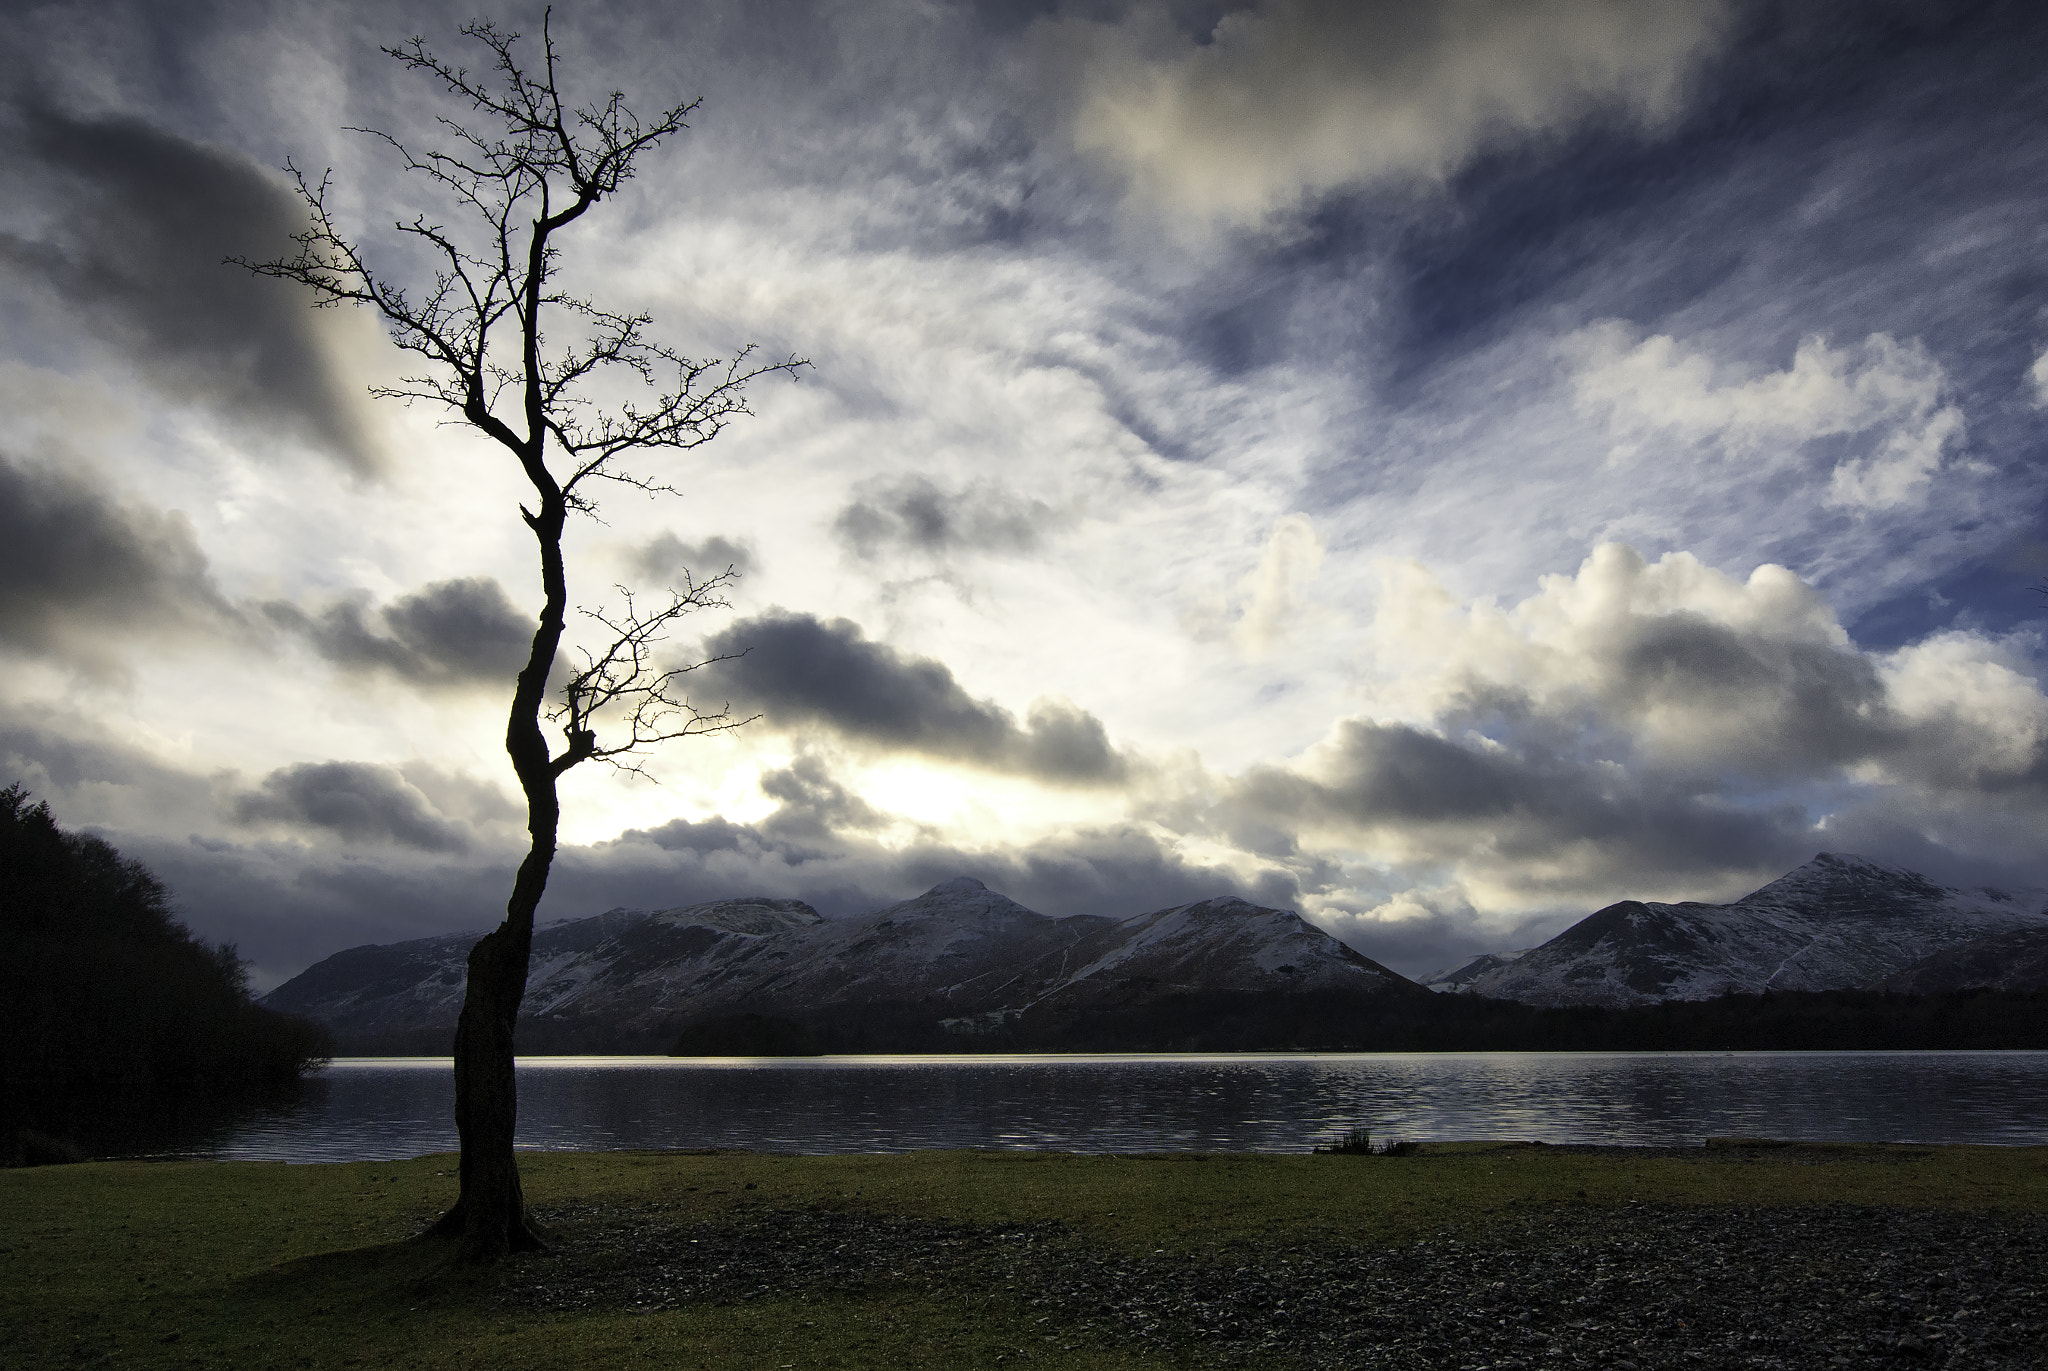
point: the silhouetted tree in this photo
(519, 169)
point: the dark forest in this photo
(123, 1030)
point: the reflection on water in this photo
(376, 1108)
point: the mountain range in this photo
(959, 959)
(962, 966)
(1836, 923)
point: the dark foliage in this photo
(1336, 1021)
(1357, 1142)
(121, 1027)
(1830, 1020)
(745, 1035)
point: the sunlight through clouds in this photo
(1436, 468)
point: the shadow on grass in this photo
(414, 1270)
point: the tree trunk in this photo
(490, 1216)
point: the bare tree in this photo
(518, 170)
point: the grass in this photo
(218, 1264)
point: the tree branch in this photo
(623, 686)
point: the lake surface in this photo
(380, 1108)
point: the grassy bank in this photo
(242, 1264)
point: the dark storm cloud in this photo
(813, 809)
(1572, 816)
(450, 633)
(75, 564)
(798, 669)
(1428, 935)
(68, 762)
(350, 800)
(913, 514)
(286, 907)
(1807, 704)
(380, 854)
(135, 223)
(462, 628)
(812, 805)
(701, 836)
(802, 669)
(1395, 773)
(668, 559)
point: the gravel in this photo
(1636, 1286)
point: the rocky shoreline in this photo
(1630, 1287)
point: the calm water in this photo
(380, 1108)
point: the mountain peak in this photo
(963, 897)
(757, 915)
(1845, 877)
(1839, 922)
(1850, 861)
(1227, 906)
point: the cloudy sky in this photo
(1439, 468)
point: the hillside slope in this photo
(959, 957)
(1836, 923)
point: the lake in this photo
(380, 1108)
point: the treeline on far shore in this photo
(1833, 1020)
(122, 1030)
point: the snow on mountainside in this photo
(959, 946)
(1460, 975)
(406, 987)
(1836, 923)
(1218, 945)
(960, 952)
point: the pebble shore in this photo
(1631, 1287)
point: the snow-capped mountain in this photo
(1836, 923)
(1460, 975)
(624, 958)
(959, 955)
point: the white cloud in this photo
(1276, 594)
(1674, 651)
(1288, 99)
(1641, 727)
(1675, 665)
(1888, 392)
(2038, 374)
(1978, 707)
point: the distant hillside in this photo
(2015, 961)
(1460, 976)
(120, 1026)
(956, 965)
(610, 982)
(1836, 923)
(1842, 953)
